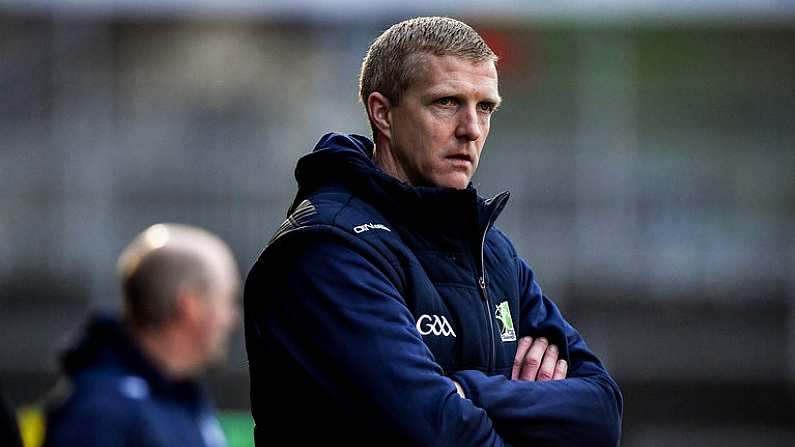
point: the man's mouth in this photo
(460, 157)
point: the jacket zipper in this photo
(482, 283)
(487, 303)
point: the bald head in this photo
(167, 260)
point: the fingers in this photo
(548, 364)
(537, 360)
(532, 360)
(561, 369)
(518, 359)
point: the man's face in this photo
(441, 124)
(219, 317)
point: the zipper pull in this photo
(482, 281)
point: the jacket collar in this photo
(347, 160)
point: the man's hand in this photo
(537, 360)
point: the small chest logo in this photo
(369, 226)
(503, 315)
(434, 324)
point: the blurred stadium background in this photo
(649, 147)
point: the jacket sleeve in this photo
(585, 409)
(363, 348)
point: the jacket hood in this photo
(103, 342)
(105, 345)
(334, 156)
(347, 160)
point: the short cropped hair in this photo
(394, 60)
(151, 289)
(161, 262)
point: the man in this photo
(133, 380)
(387, 309)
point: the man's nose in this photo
(469, 125)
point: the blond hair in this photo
(394, 60)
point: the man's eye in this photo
(486, 107)
(446, 101)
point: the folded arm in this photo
(585, 409)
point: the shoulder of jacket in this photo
(116, 385)
(317, 209)
(339, 219)
(91, 396)
(341, 210)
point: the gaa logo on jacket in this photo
(434, 324)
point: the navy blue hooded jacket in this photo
(374, 294)
(118, 398)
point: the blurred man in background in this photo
(133, 381)
(387, 309)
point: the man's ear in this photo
(380, 111)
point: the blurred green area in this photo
(238, 427)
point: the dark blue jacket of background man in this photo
(117, 397)
(374, 294)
